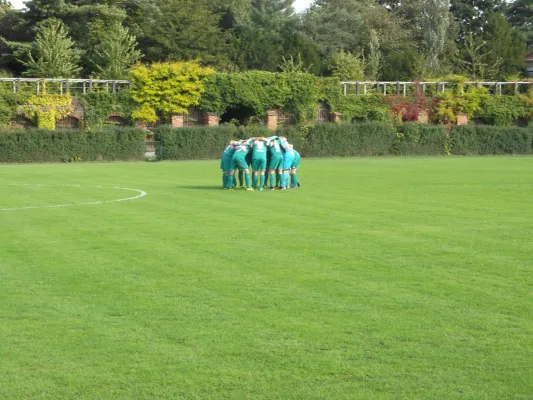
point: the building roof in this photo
(529, 57)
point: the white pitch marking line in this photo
(141, 193)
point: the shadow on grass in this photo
(199, 187)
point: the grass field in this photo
(381, 278)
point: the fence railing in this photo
(401, 88)
(61, 86)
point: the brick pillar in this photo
(336, 117)
(272, 120)
(177, 121)
(141, 125)
(423, 117)
(211, 119)
(462, 119)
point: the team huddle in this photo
(272, 157)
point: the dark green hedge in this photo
(321, 140)
(353, 140)
(197, 143)
(484, 140)
(419, 139)
(41, 145)
(348, 140)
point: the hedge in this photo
(486, 140)
(41, 145)
(353, 140)
(321, 140)
(201, 143)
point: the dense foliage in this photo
(163, 89)
(353, 140)
(370, 39)
(42, 145)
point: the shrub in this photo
(485, 140)
(42, 145)
(349, 140)
(420, 139)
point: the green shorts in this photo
(238, 163)
(296, 163)
(225, 164)
(259, 164)
(276, 162)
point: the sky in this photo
(299, 5)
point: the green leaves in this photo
(115, 51)
(167, 88)
(54, 54)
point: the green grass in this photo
(381, 278)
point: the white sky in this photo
(299, 5)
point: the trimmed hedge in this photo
(419, 139)
(321, 140)
(41, 145)
(201, 143)
(485, 140)
(349, 140)
(353, 140)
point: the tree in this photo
(475, 59)
(186, 30)
(520, 14)
(264, 36)
(114, 51)
(53, 53)
(357, 27)
(167, 88)
(12, 29)
(503, 42)
(347, 66)
(472, 15)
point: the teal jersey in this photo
(228, 152)
(275, 149)
(259, 148)
(241, 150)
(283, 144)
(296, 155)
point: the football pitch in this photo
(380, 278)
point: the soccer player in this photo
(288, 158)
(225, 162)
(276, 160)
(238, 161)
(259, 160)
(295, 164)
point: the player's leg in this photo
(255, 178)
(241, 176)
(295, 182)
(243, 166)
(287, 162)
(229, 182)
(294, 178)
(262, 168)
(266, 174)
(255, 169)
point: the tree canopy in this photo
(370, 39)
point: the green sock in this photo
(230, 181)
(240, 178)
(254, 182)
(272, 179)
(278, 179)
(262, 182)
(294, 180)
(247, 177)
